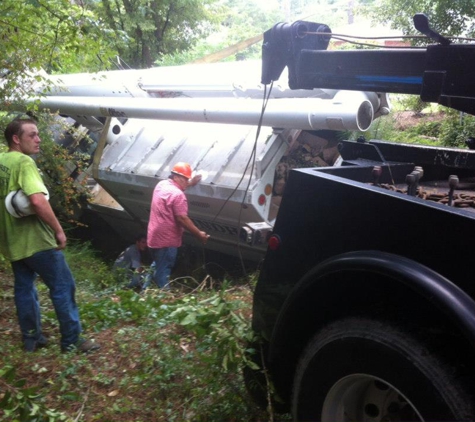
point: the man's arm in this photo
(186, 222)
(44, 211)
(132, 256)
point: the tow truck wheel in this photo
(364, 370)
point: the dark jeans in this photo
(51, 266)
(164, 259)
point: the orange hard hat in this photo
(183, 169)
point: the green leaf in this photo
(189, 319)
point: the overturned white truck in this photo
(211, 116)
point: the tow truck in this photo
(365, 304)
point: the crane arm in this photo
(442, 73)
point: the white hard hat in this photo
(18, 204)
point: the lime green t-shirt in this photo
(21, 237)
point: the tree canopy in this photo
(156, 27)
(49, 35)
(54, 34)
(447, 17)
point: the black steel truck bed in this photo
(331, 215)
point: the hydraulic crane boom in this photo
(442, 73)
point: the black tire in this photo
(364, 370)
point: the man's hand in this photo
(195, 180)
(203, 236)
(61, 240)
(44, 211)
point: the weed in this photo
(21, 403)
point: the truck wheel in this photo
(364, 370)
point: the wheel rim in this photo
(365, 398)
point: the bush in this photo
(432, 125)
(456, 129)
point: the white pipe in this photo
(338, 113)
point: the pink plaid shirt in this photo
(168, 201)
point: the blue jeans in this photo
(51, 266)
(164, 259)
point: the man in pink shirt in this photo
(168, 220)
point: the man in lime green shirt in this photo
(33, 243)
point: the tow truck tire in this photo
(364, 370)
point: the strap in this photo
(14, 205)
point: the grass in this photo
(165, 356)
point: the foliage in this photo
(66, 177)
(456, 129)
(240, 21)
(202, 48)
(216, 321)
(413, 102)
(20, 403)
(426, 133)
(245, 19)
(445, 16)
(90, 271)
(431, 125)
(53, 35)
(156, 27)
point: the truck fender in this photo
(438, 290)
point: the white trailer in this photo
(211, 116)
